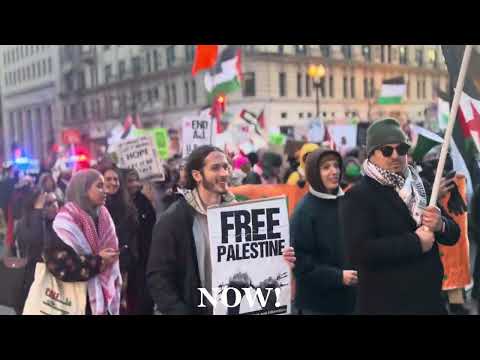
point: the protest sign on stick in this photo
(140, 154)
(197, 131)
(249, 274)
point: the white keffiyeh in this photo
(409, 187)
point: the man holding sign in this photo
(392, 235)
(179, 262)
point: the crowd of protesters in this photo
(364, 239)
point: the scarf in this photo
(76, 228)
(200, 235)
(325, 196)
(409, 187)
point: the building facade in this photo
(92, 88)
(29, 81)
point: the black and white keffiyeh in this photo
(409, 187)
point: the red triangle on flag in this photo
(205, 57)
(261, 119)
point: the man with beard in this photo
(179, 262)
(391, 234)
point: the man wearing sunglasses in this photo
(391, 233)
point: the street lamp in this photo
(316, 73)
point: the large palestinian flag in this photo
(466, 132)
(393, 91)
(225, 77)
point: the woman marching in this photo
(141, 302)
(87, 245)
(324, 282)
(124, 215)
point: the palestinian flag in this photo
(466, 132)
(427, 140)
(393, 91)
(205, 57)
(225, 77)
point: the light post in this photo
(317, 73)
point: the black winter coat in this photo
(395, 277)
(172, 271)
(321, 258)
(143, 304)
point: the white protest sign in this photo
(140, 154)
(249, 275)
(197, 131)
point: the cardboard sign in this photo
(160, 139)
(197, 131)
(249, 274)
(140, 154)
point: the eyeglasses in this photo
(401, 150)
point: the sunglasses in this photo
(401, 150)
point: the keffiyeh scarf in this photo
(409, 187)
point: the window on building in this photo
(148, 60)
(424, 85)
(331, 86)
(419, 95)
(24, 74)
(136, 66)
(300, 49)
(73, 112)
(167, 95)
(419, 57)
(39, 68)
(149, 96)
(156, 60)
(108, 73)
(155, 93)
(106, 47)
(283, 115)
(403, 55)
(367, 53)
(170, 55)
(389, 53)
(372, 88)
(347, 51)
(308, 86)
(194, 92)
(300, 115)
(299, 85)
(249, 84)
(325, 51)
(382, 54)
(345, 87)
(187, 92)
(28, 73)
(322, 88)
(84, 110)
(69, 81)
(366, 91)
(44, 67)
(121, 70)
(189, 52)
(282, 83)
(281, 49)
(49, 65)
(408, 88)
(174, 95)
(352, 87)
(81, 80)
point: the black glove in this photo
(455, 204)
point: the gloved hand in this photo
(455, 204)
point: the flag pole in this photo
(451, 122)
